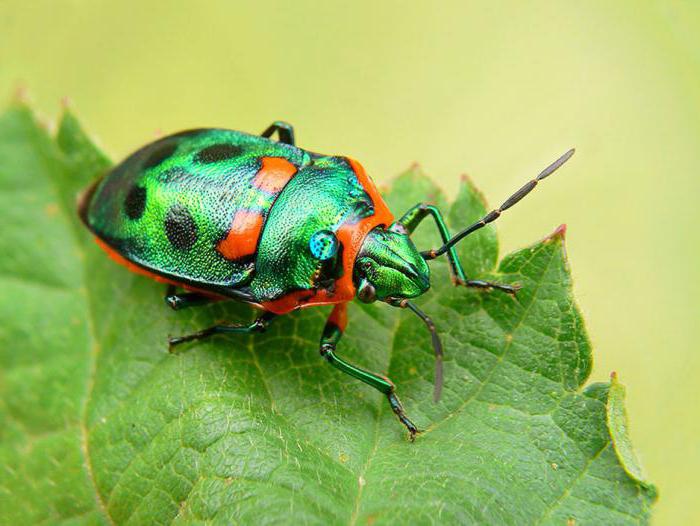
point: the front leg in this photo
(332, 333)
(410, 221)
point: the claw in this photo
(489, 285)
(172, 343)
(513, 289)
(397, 408)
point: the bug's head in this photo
(389, 267)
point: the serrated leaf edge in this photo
(616, 416)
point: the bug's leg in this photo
(259, 325)
(411, 219)
(185, 299)
(332, 333)
(285, 132)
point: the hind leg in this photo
(285, 132)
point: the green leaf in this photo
(100, 424)
(619, 433)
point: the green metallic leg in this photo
(411, 219)
(259, 325)
(285, 132)
(185, 299)
(332, 333)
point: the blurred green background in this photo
(494, 89)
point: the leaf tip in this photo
(21, 95)
(415, 170)
(559, 234)
(560, 231)
(412, 173)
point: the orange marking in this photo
(339, 316)
(274, 174)
(242, 239)
(351, 237)
(138, 269)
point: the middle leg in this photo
(260, 324)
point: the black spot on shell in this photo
(217, 152)
(160, 154)
(135, 202)
(180, 228)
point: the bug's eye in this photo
(324, 245)
(367, 269)
(367, 292)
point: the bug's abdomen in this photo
(193, 206)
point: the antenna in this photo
(495, 214)
(437, 347)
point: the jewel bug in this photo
(222, 214)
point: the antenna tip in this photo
(555, 165)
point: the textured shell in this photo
(235, 214)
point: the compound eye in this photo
(366, 292)
(324, 245)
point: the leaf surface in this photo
(102, 425)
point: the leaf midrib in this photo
(379, 412)
(500, 358)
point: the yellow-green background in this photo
(494, 89)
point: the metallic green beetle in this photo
(228, 215)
